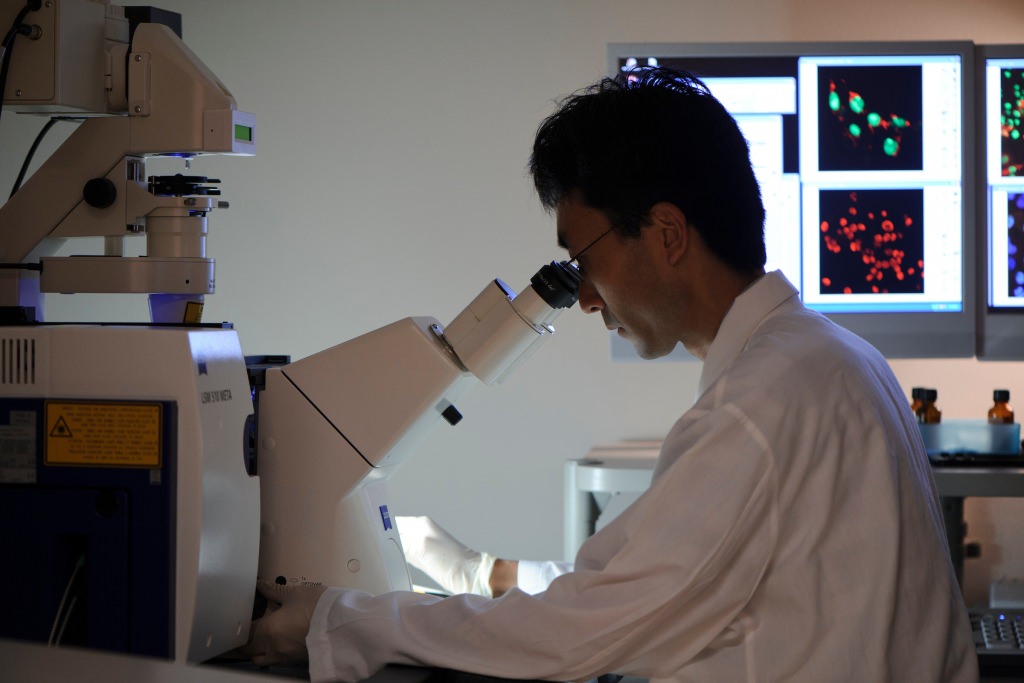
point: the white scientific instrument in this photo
(123, 448)
(334, 426)
(153, 490)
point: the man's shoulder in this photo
(799, 355)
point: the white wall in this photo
(390, 181)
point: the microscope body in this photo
(332, 428)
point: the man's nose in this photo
(590, 300)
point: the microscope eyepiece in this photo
(558, 284)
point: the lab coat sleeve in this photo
(535, 576)
(653, 589)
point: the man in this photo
(791, 531)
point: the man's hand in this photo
(440, 556)
(280, 635)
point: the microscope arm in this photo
(95, 183)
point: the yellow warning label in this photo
(193, 313)
(103, 434)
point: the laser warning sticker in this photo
(103, 434)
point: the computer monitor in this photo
(1001, 200)
(861, 151)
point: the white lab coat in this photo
(792, 532)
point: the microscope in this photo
(154, 472)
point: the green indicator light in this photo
(857, 104)
(243, 133)
(833, 101)
(891, 147)
(855, 130)
(874, 119)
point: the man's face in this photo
(621, 278)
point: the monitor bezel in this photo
(1000, 331)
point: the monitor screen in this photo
(860, 151)
(1001, 199)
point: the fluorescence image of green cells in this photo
(874, 120)
(870, 118)
(1012, 101)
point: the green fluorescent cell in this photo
(857, 104)
(874, 119)
(833, 101)
(1015, 134)
(855, 130)
(890, 147)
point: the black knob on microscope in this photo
(99, 193)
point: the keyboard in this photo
(999, 638)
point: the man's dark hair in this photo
(654, 135)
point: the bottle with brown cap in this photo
(929, 413)
(1001, 412)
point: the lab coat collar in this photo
(751, 307)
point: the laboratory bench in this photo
(23, 662)
(36, 663)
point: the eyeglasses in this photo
(574, 260)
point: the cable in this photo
(54, 637)
(64, 624)
(31, 152)
(7, 47)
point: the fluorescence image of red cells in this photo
(872, 241)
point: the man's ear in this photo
(670, 227)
